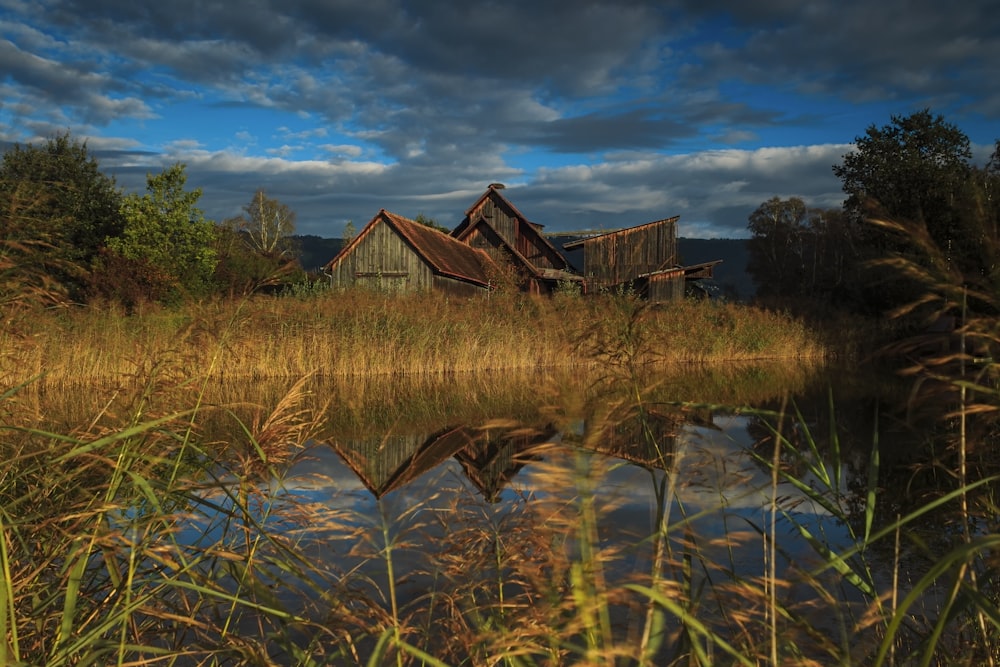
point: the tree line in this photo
(68, 233)
(917, 212)
(918, 233)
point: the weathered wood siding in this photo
(383, 260)
(527, 242)
(483, 238)
(667, 286)
(623, 256)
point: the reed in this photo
(169, 526)
(167, 522)
(358, 333)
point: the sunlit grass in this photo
(160, 517)
(357, 333)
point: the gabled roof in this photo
(493, 191)
(580, 242)
(536, 272)
(445, 255)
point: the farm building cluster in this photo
(496, 246)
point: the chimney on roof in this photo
(497, 186)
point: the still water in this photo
(434, 475)
(461, 506)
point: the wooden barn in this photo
(393, 253)
(494, 225)
(643, 258)
(620, 257)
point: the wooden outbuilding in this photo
(396, 254)
(619, 257)
(641, 258)
(495, 226)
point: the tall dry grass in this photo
(357, 333)
(167, 524)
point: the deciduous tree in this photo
(350, 231)
(913, 167)
(801, 255)
(777, 247)
(166, 231)
(74, 207)
(29, 263)
(267, 225)
(242, 270)
(915, 176)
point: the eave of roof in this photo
(686, 270)
(626, 230)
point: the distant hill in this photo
(315, 251)
(731, 275)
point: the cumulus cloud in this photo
(597, 113)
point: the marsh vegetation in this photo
(206, 487)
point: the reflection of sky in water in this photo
(719, 489)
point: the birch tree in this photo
(267, 225)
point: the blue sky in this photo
(596, 115)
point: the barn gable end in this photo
(393, 253)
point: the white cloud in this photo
(596, 114)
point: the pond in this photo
(720, 513)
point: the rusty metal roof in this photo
(445, 255)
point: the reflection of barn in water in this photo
(392, 461)
(489, 456)
(647, 439)
(492, 455)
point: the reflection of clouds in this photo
(319, 468)
(720, 500)
(715, 469)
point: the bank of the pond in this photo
(358, 333)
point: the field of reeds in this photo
(362, 333)
(170, 522)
